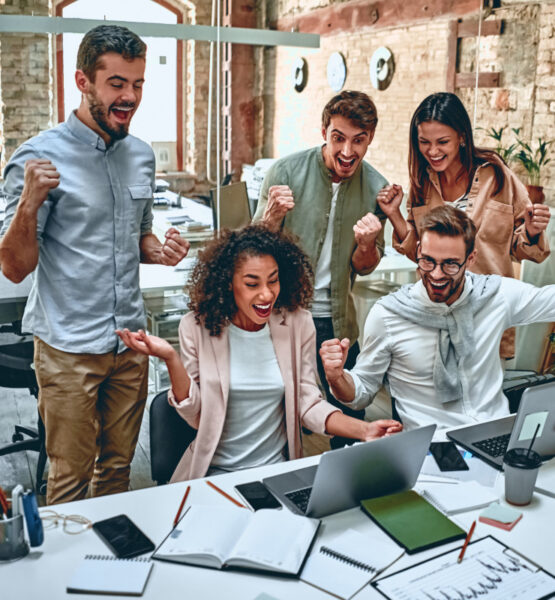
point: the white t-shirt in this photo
(321, 304)
(254, 429)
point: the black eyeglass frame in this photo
(451, 263)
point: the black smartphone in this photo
(448, 457)
(257, 495)
(123, 537)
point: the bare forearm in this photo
(19, 249)
(343, 387)
(342, 425)
(364, 259)
(151, 249)
(399, 225)
(180, 380)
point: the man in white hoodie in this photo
(436, 341)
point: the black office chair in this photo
(170, 436)
(16, 371)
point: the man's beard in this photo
(100, 115)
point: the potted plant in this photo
(533, 161)
(507, 154)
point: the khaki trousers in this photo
(92, 407)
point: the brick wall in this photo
(25, 80)
(293, 120)
(524, 53)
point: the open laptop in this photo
(346, 476)
(235, 210)
(491, 440)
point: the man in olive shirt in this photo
(327, 197)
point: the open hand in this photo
(381, 428)
(146, 344)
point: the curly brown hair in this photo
(210, 286)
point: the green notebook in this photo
(412, 521)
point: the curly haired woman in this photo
(246, 378)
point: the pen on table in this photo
(231, 499)
(468, 536)
(181, 505)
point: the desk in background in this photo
(46, 571)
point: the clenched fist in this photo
(334, 354)
(280, 202)
(389, 198)
(41, 176)
(366, 231)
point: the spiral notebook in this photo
(345, 564)
(99, 574)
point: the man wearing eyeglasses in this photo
(436, 342)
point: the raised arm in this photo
(19, 248)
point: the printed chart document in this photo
(489, 570)
(345, 564)
(228, 536)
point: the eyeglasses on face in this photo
(449, 267)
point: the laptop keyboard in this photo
(495, 446)
(300, 498)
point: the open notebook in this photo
(227, 536)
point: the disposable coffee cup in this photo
(12, 539)
(521, 470)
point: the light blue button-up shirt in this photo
(86, 283)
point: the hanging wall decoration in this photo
(382, 68)
(336, 71)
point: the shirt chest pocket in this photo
(496, 224)
(139, 195)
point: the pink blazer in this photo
(206, 359)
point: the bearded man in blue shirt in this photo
(79, 216)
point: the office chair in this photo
(16, 371)
(170, 436)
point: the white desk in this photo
(46, 571)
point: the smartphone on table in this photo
(123, 537)
(448, 457)
(257, 495)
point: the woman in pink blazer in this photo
(246, 378)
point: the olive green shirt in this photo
(310, 180)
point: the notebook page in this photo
(459, 497)
(205, 531)
(275, 539)
(110, 575)
(345, 564)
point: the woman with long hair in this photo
(246, 378)
(446, 166)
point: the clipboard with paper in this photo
(490, 569)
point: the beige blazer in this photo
(206, 359)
